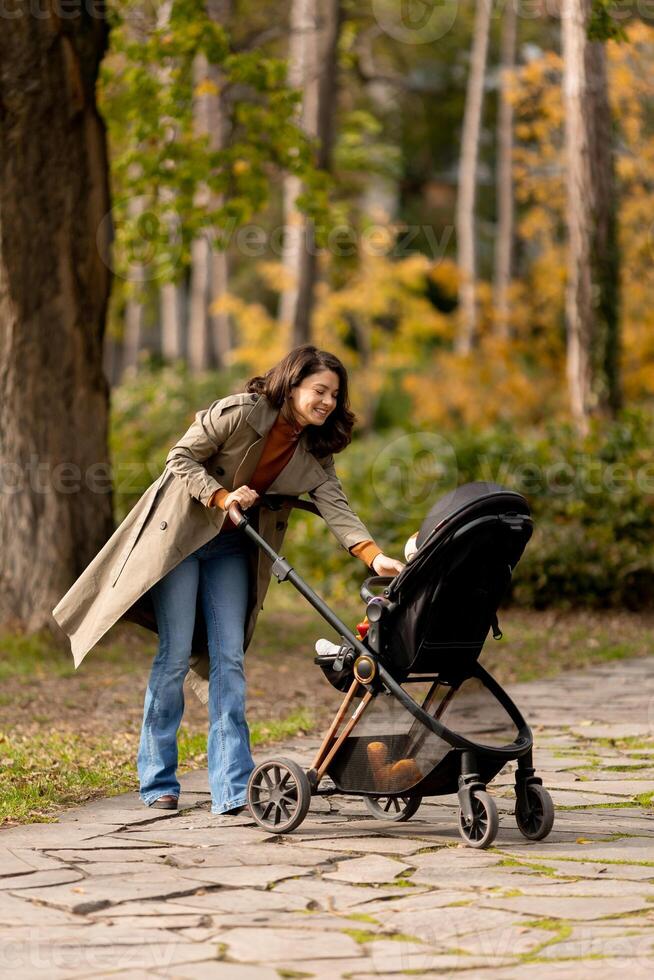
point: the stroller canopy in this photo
(447, 595)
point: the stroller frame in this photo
(287, 788)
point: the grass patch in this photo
(301, 722)
(36, 655)
(42, 773)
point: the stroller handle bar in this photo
(272, 502)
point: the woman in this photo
(280, 435)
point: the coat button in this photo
(163, 525)
(280, 525)
(219, 471)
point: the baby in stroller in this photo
(325, 647)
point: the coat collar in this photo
(262, 417)
(301, 465)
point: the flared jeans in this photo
(219, 569)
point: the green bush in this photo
(591, 500)
(592, 503)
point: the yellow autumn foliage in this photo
(383, 324)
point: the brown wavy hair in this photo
(336, 431)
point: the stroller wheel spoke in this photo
(267, 810)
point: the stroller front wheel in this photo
(395, 808)
(279, 795)
(536, 821)
(482, 830)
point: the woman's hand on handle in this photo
(245, 497)
(383, 565)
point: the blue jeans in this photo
(220, 570)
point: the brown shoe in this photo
(168, 802)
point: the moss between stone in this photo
(542, 869)
(363, 936)
(561, 928)
(362, 917)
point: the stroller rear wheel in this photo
(279, 795)
(395, 808)
(537, 819)
(481, 831)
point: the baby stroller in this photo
(420, 716)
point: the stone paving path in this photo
(115, 889)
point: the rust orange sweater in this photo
(277, 451)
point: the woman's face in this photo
(314, 399)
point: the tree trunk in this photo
(218, 125)
(465, 211)
(134, 310)
(592, 291)
(605, 264)
(381, 197)
(504, 241)
(209, 331)
(198, 315)
(170, 294)
(56, 504)
(170, 307)
(313, 68)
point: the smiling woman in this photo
(178, 553)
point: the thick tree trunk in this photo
(55, 504)
(315, 30)
(465, 211)
(592, 290)
(504, 241)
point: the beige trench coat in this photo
(171, 520)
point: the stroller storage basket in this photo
(390, 751)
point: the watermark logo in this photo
(415, 21)
(412, 472)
